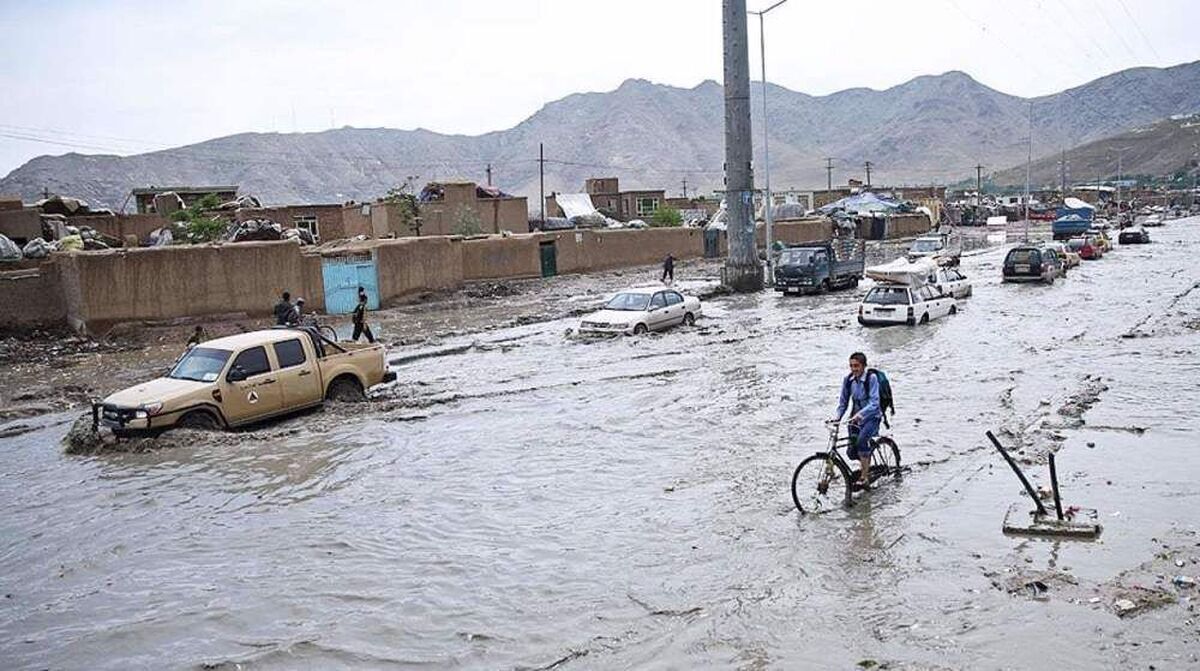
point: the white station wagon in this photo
(903, 304)
(639, 310)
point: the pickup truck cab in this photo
(819, 267)
(245, 378)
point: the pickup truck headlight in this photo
(149, 410)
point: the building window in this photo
(646, 206)
(309, 223)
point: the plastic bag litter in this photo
(257, 229)
(303, 235)
(36, 248)
(9, 251)
(71, 243)
(161, 237)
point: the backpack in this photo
(886, 401)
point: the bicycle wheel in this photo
(885, 459)
(329, 333)
(820, 483)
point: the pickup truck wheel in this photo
(689, 319)
(639, 329)
(198, 419)
(925, 318)
(345, 389)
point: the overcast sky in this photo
(128, 77)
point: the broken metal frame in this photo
(1041, 509)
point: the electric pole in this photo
(868, 167)
(542, 181)
(489, 174)
(1063, 173)
(829, 174)
(685, 188)
(978, 185)
(742, 271)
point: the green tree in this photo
(196, 225)
(466, 222)
(666, 217)
(406, 207)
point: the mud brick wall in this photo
(496, 258)
(412, 265)
(31, 297)
(796, 232)
(166, 283)
(907, 225)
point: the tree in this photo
(197, 225)
(466, 222)
(406, 207)
(666, 217)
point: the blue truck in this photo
(820, 266)
(1074, 219)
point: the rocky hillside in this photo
(930, 128)
(1162, 148)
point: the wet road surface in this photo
(538, 501)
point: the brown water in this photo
(624, 503)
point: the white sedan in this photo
(639, 310)
(888, 303)
(951, 282)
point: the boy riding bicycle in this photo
(860, 389)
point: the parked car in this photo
(819, 267)
(1086, 247)
(1028, 263)
(1152, 220)
(636, 311)
(1069, 258)
(1134, 236)
(1100, 239)
(937, 246)
(952, 282)
(889, 303)
(245, 378)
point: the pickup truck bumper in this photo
(123, 422)
(795, 286)
(389, 376)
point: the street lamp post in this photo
(766, 149)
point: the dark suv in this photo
(1028, 263)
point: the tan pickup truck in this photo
(245, 378)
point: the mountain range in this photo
(932, 128)
(1157, 149)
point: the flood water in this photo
(624, 503)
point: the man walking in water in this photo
(360, 318)
(860, 389)
(669, 268)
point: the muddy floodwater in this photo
(523, 499)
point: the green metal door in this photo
(549, 259)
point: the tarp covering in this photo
(1076, 204)
(865, 202)
(901, 271)
(575, 204)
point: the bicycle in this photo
(313, 321)
(821, 479)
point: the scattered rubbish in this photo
(1180, 563)
(256, 229)
(36, 248)
(9, 251)
(1124, 606)
(1184, 581)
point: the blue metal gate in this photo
(343, 275)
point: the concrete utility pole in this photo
(828, 175)
(489, 174)
(762, 45)
(542, 181)
(868, 165)
(1028, 165)
(978, 185)
(742, 271)
(685, 187)
(1063, 169)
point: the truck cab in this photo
(242, 379)
(819, 267)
